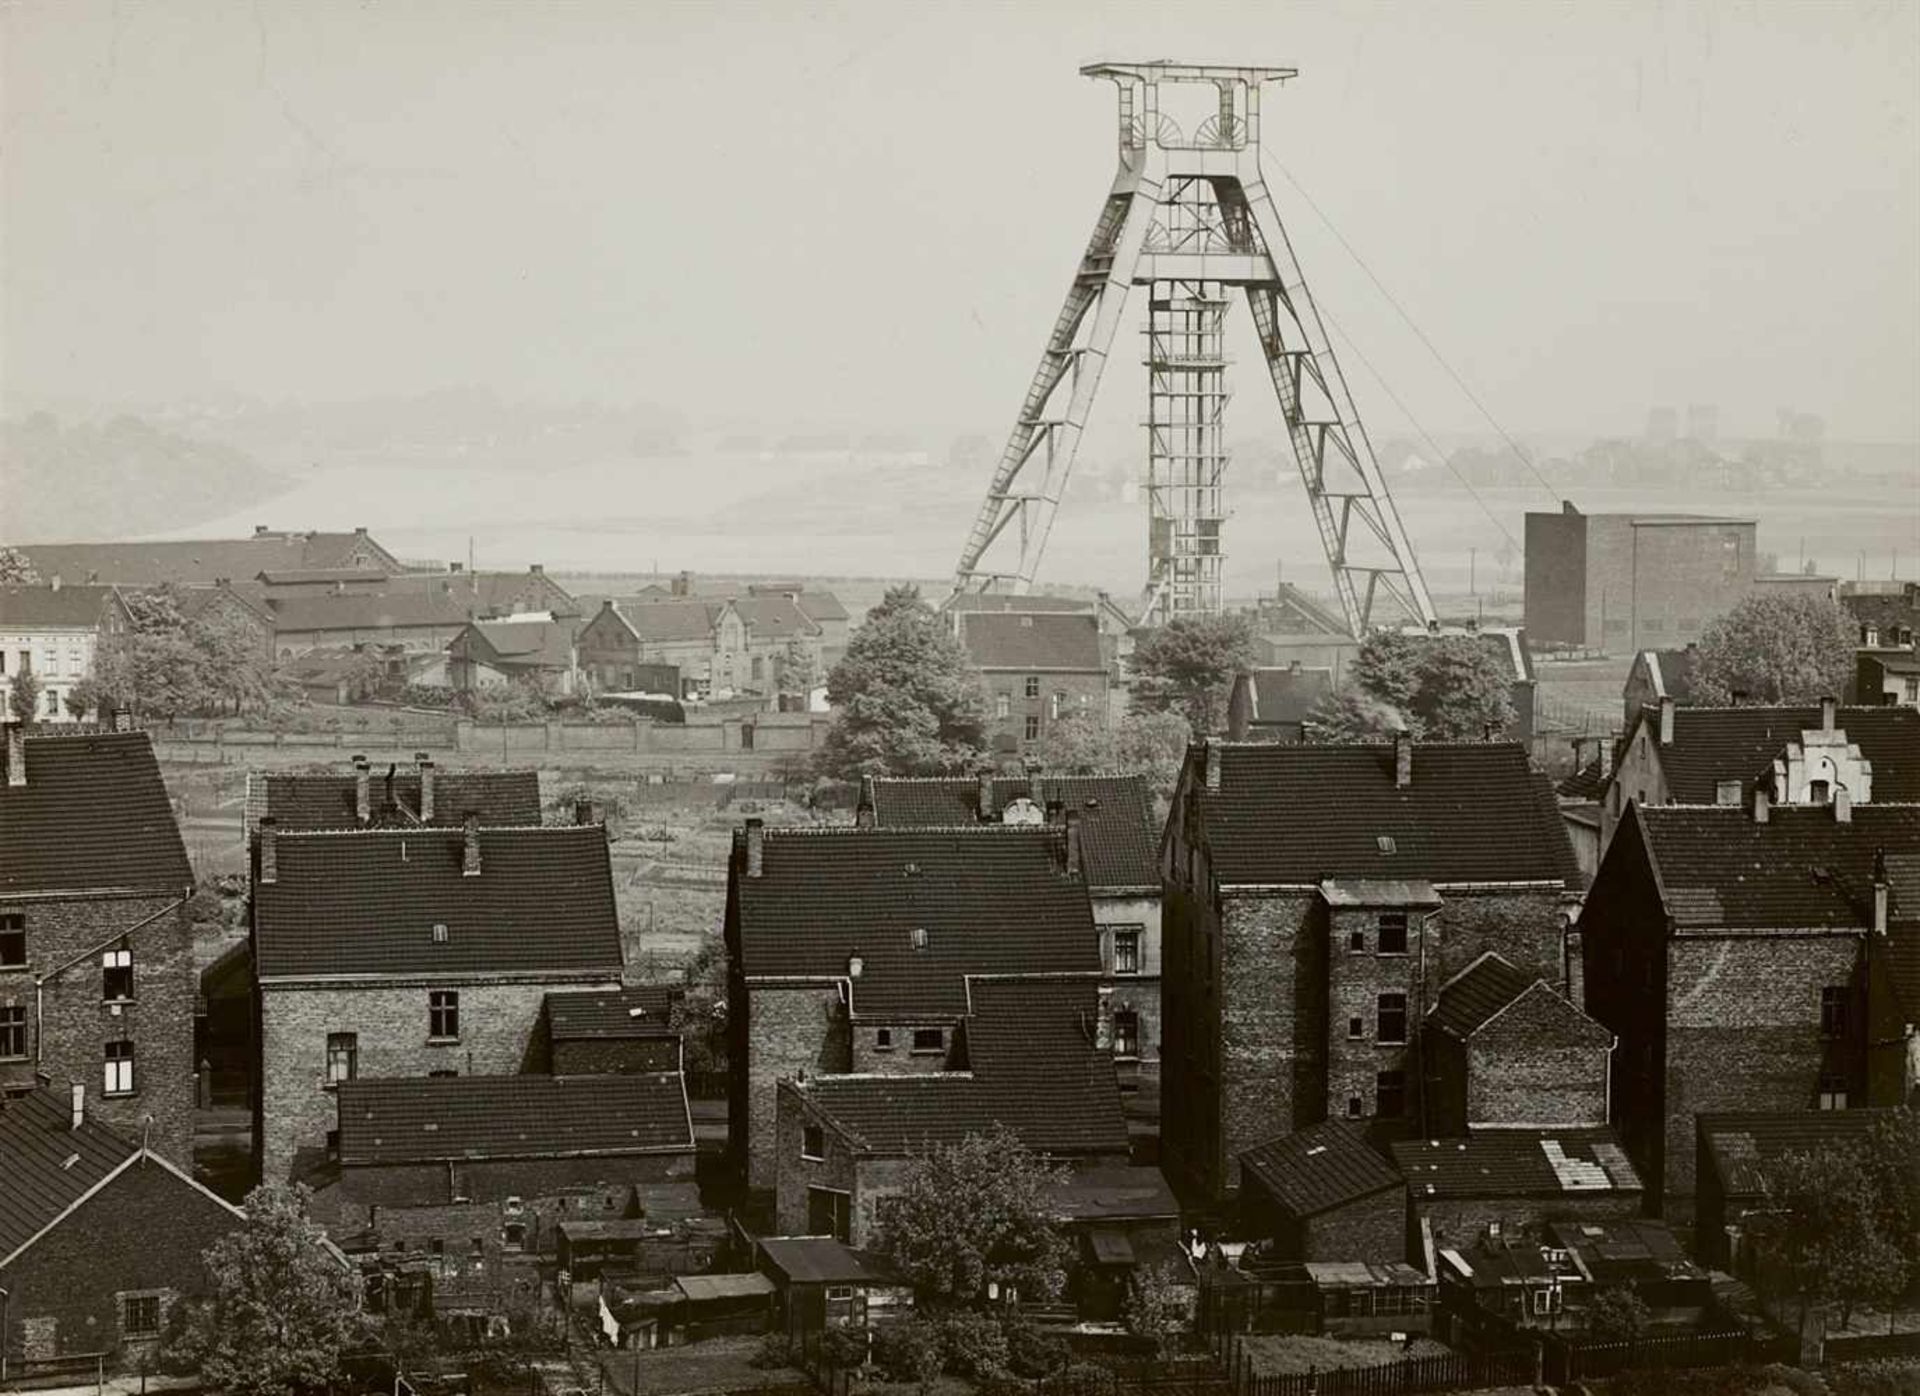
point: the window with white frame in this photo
(116, 975)
(343, 1057)
(1126, 949)
(13, 1030)
(119, 1067)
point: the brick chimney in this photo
(1829, 708)
(1211, 755)
(425, 763)
(1056, 811)
(120, 720)
(16, 754)
(470, 854)
(269, 850)
(1073, 843)
(986, 795)
(1402, 760)
(1762, 804)
(1842, 805)
(1666, 722)
(362, 791)
(537, 569)
(585, 811)
(756, 847)
(863, 816)
(1880, 891)
(79, 1104)
(682, 584)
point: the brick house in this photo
(97, 976)
(1035, 669)
(1803, 754)
(1026, 1055)
(1732, 951)
(52, 632)
(494, 653)
(1505, 1049)
(621, 1032)
(397, 952)
(395, 798)
(1317, 899)
(723, 645)
(1732, 1153)
(1510, 1183)
(1115, 819)
(849, 950)
(99, 1237)
(1116, 628)
(1324, 1194)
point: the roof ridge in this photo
(905, 830)
(443, 830)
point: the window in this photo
(1357, 942)
(883, 1039)
(1833, 1011)
(1356, 1027)
(1391, 1024)
(1126, 949)
(443, 1013)
(514, 1236)
(1355, 1107)
(1126, 1033)
(1002, 704)
(139, 1315)
(929, 1039)
(1059, 705)
(1818, 792)
(119, 1068)
(13, 1031)
(1833, 1094)
(828, 1213)
(813, 1143)
(343, 1057)
(1726, 792)
(1547, 1301)
(758, 668)
(1390, 1094)
(116, 975)
(1393, 933)
(1033, 727)
(1033, 685)
(13, 940)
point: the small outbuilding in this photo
(823, 1283)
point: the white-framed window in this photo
(1126, 1033)
(1033, 686)
(1002, 705)
(118, 1070)
(116, 975)
(1547, 1301)
(343, 1057)
(1126, 949)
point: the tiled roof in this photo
(1882, 609)
(1116, 834)
(326, 800)
(991, 899)
(1803, 867)
(1517, 1163)
(823, 1260)
(1113, 1192)
(548, 643)
(93, 814)
(979, 602)
(421, 1119)
(191, 562)
(1286, 694)
(1588, 783)
(66, 608)
(366, 902)
(1032, 1068)
(1671, 672)
(1741, 1145)
(821, 605)
(373, 611)
(36, 1144)
(1715, 744)
(1478, 992)
(1474, 812)
(640, 1010)
(662, 621)
(1319, 1168)
(1050, 642)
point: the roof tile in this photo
(1115, 812)
(424, 1119)
(1316, 1169)
(92, 814)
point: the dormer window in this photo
(439, 933)
(919, 937)
(1819, 792)
(1385, 843)
(1726, 792)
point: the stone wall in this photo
(1538, 1063)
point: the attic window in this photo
(1726, 792)
(1384, 842)
(439, 933)
(913, 870)
(919, 937)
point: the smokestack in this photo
(79, 1101)
(1666, 722)
(1402, 760)
(1842, 805)
(1828, 707)
(1211, 755)
(1073, 843)
(585, 811)
(1762, 803)
(863, 816)
(425, 763)
(362, 794)
(470, 854)
(1880, 891)
(986, 794)
(269, 850)
(16, 754)
(756, 847)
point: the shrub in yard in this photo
(842, 1348)
(976, 1345)
(909, 1351)
(1032, 1353)
(773, 1351)
(1080, 1379)
(1617, 1315)
(1875, 1379)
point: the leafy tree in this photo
(976, 1345)
(1776, 649)
(283, 1307)
(973, 1214)
(1081, 744)
(1156, 1309)
(15, 569)
(1618, 1315)
(1893, 1161)
(799, 668)
(1828, 1229)
(1351, 714)
(1445, 688)
(23, 696)
(907, 701)
(168, 663)
(700, 1013)
(1387, 667)
(1187, 666)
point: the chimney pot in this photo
(756, 847)
(269, 850)
(425, 763)
(79, 1100)
(362, 793)
(1211, 755)
(986, 795)
(538, 569)
(1402, 760)
(1666, 722)
(259, 530)
(54, 581)
(1842, 806)
(16, 754)
(863, 814)
(470, 853)
(1056, 811)
(1762, 803)
(1073, 843)
(1828, 711)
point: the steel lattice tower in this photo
(1190, 218)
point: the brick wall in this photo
(1140, 992)
(1273, 1032)
(1355, 981)
(1538, 1063)
(1523, 925)
(1085, 694)
(498, 1023)
(1373, 1229)
(75, 1022)
(794, 1174)
(788, 1031)
(144, 1231)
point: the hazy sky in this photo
(868, 213)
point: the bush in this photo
(975, 1344)
(774, 1351)
(1080, 1379)
(1032, 1353)
(843, 1348)
(909, 1350)
(1617, 1315)
(1875, 1379)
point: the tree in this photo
(283, 1306)
(1081, 744)
(906, 698)
(1893, 1160)
(1776, 649)
(23, 696)
(15, 569)
(799, 668)
(1827, 1229)
(974, 1214)
(1445, 688)
(1618, 1315)
(1156, 1309)
(1187, 666)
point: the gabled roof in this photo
(1670, 672)
(1316, 1169)
(326, 800)
(373, 611)
(48, 1166)
(1517, 1163)
(1285, 694)
(365, 902)
(1741, 1145)
(1717, 867)
(197, 561)
(1031, 1067)
(1588, 783)
(1715, 744)
(429, 1118)
(822, 1260)
(991, 899)
(93, 814)
(48, 607)
(1036, 603)
(639, 1010)
(1047, 642)
(1115, 815)
(1477, 993)
(1474, 812)
(547, 644)
(1113, 1192)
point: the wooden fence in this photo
(1454, 1372)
